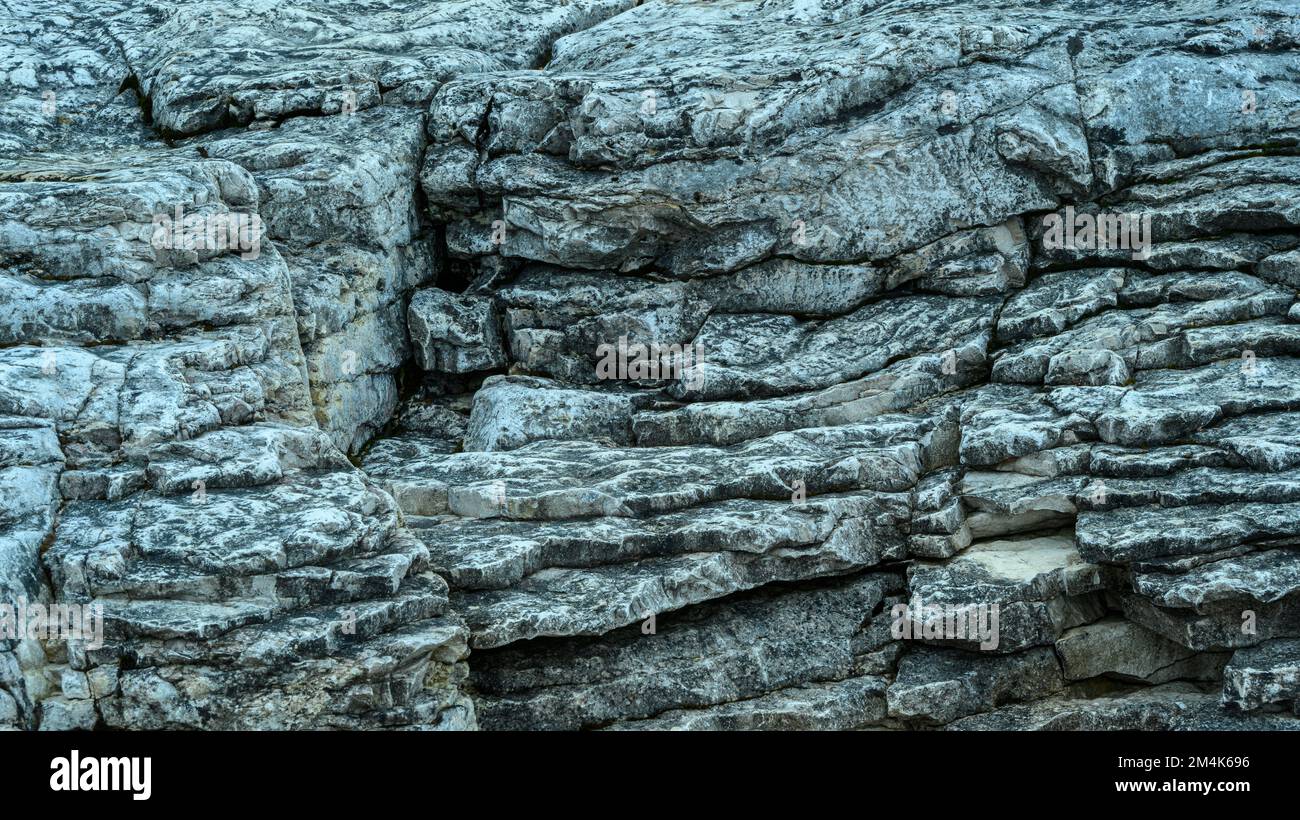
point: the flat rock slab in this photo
(937, 686)
(549, 480)
(1262, 577)
(712, 654)
(1263, 675)
(851, 704)
(1170, 707)
(493, 553)
(1027, 591)
(1122, 649)
(1153, 532)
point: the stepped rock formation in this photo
(740, 364)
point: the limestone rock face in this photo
(338, 197)
(684, 364)
(322, 59)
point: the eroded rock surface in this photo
(743, 364)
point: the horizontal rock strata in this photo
(738, 365)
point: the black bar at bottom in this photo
(872, 770)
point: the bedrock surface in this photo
(673, 365)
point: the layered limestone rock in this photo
(1264, 675)
(753, 364)
(183, 546)
(327, 58)
(713, 660)
(62, 81)
(338, 198)
(717, 289)
(172, 485)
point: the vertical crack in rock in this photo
(696, 365)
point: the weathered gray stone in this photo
(891, 389)
(549, 480)
(1055, 301)
(716, 653)
(61, 80)
(850, 704)
(454, 333)
(1122, 649)
(826, 536)
(1260, 577)
(1263, 675)
(1039, 587)
(1139, 533)
(1170, 707)
(828, 229)
(510, 412)
(323, 60)
(60, 714)
(338, 196)
(1202, 323)
(761, 355)
(1264, 441)
(1219, 628)
(936, 686)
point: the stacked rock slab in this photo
(176, 414)
(837, 221)
(243, 573)
(171, 458)
(703, 364)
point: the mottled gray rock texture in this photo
(694, 364)
(1261, 675)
